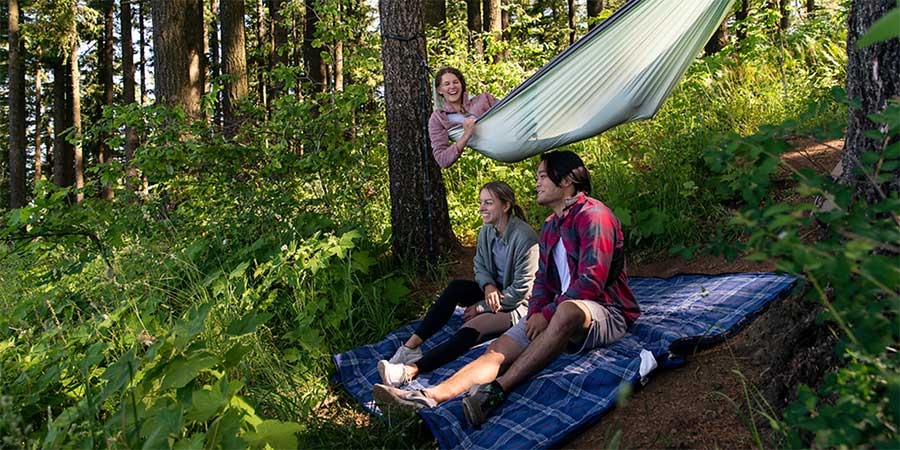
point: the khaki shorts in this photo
(607, 326)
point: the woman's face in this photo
(493, 211)
(450, 88)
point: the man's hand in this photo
(492, 297)
(470, 313)
(535, 326)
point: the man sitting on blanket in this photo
(581, 299)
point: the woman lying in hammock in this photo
(506, 258)
(453, 107)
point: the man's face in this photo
(548, 194)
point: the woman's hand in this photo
(468, 126)
(470, 313)
(492, 297)
(535, 326)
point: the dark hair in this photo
(505, 194)
(452, 70)
(562, 165)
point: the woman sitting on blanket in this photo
(454, 107)
(506, 258)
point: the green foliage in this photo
(851, 269)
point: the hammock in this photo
(621, 71)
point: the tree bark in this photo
(131, 138)
(493, 23)
(234, 62)
(594, 8)
(142, 36)
(74, 95)
(810, 6)
(16, 112)
(572, 11)
(38, 118)
(312, 56)
(740, 17)
(106, 69)
(419, 218)
(719, 39)
(873, 77)
(178, 49)
(435, 13)
(262, 42)
(280, 55)
(473, 22)
(215, 60)
(63, 152)
(784, 15)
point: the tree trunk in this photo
(810, 6)
(719, 39)
(63, 153)
(312, 56)
(106, 70)
(178, 51)
(473, 22)
(872, 79)
(143, 45)
(234, 62)
(38, 118)
(594, 8)
(16, 112)
(572, 11)
(131, 139)
(435, 13)
(215, 60)
(279, 54)
(262, 42)
(740, 16)
(75, 104)
(419, 218)
(493, 23)
(504, 24)
(784, 15)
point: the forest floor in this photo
(702, 404)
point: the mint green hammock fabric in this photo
(621, 71)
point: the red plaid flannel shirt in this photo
(592, 237)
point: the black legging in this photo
(459, 292)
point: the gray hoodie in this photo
(521, 264)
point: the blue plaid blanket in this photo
(685, 312)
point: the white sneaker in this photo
(406, 355)
(392, 374)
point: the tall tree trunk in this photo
(38, 117)
(504, 24)
(215, 60)
(131, 138)
(872, 79)
(420, 221)
(142, 37)
(435, 13)
(719, 39)
(784, 14)
(63, 152)
(234, 62)
(473, 23)
(594, 8)
(493, 23)
(810, 6)
(16, 112)
(262, 42)
(339, 54)
(106, 69)
(281, 28)
(572, 11)
(178, 51)
(74, 95)
(312, 56)
(740, 16)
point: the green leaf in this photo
(206, 403)
(194, 442)
(184, 331)
(239, 270)
(247, 324)
(887, 27)
(235, 354)
(181, 371)
(275, 433)
(119, 373)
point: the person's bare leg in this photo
(485, 324)
(483, 370)
(414, 341)
(569, 321)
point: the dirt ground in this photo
(706, 403)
